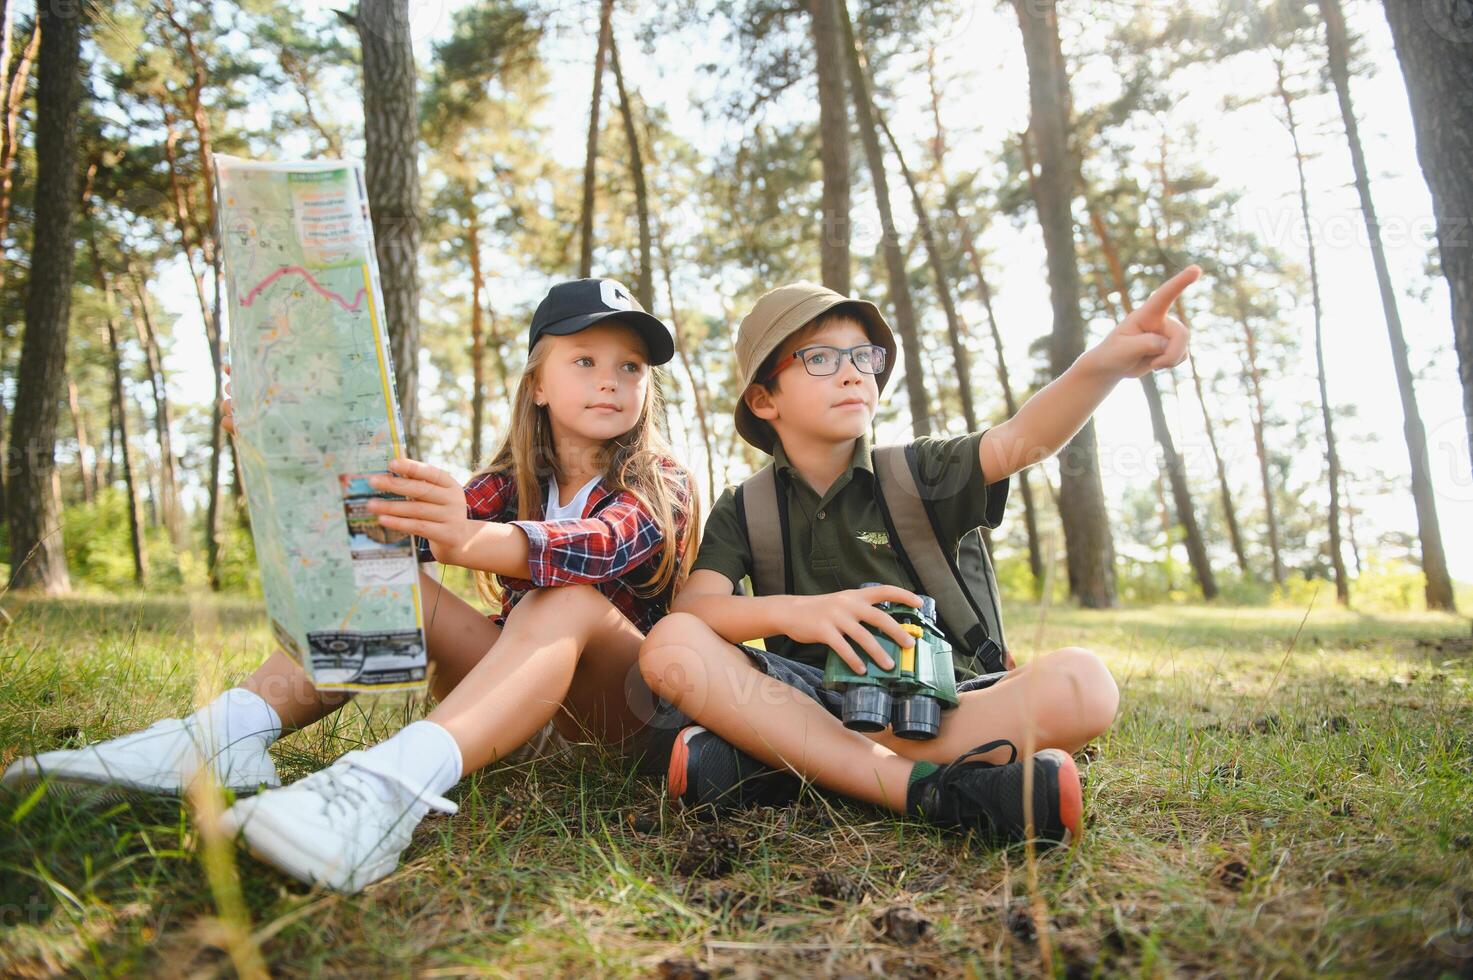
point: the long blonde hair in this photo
(639, 461)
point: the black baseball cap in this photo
(578, 304)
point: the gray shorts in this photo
(658, 736)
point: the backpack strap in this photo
(905, 502)
(759, 499)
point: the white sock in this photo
(423, 759)
(238, 715)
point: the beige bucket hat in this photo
(777, 316)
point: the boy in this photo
(814, 363)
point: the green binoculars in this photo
(910, 696)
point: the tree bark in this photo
(135, 520)
(1010, 404)
(14, 92)
(955, 331)
(1434, 43)
(644, 285)
(1176, 471)
(1229, 509)
(1088, 544)
(478, 340)
(1257, 417)
(984, 293)
(590, 157)
(205, 232)
(833, 153)
(1438, 586)
(1332, 457)
(37, 557)
(896, 275)
(173, 511)
(87, 475)
(391, 173)
(209, 314)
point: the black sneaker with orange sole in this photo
(707, 771)
(987, 797)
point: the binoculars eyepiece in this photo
(871, 708)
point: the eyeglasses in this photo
(823, 360)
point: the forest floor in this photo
(1284, 793)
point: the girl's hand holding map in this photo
(433, 507)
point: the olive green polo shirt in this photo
(839, 541)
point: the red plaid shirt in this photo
(615, 546)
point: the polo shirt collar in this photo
(859, 461)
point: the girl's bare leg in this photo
(561, 647)
(457, 636)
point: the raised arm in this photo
(1147, 340)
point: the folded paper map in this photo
(316, 415)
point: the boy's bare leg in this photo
(457, 636)
(1066, 698)
(566, 644)
(711, 680)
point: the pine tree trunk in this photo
(188, 231)
(1168, 567)
(833, 154)
(478, 340)
(590, 158)
(37, 557)
(1089, 547)
(120, 407)
(955, 331)
(391, 173)
(1337, 560)
(87, 476)
(1176, 470)
(14, 92)
(644, 285)
(1439, 587)
(172, 506)
(984, 293)
(1010, 404)
(1229, 509)
(1434, 43)
(896, 274)
(1257, 417)
(205, 234)
(1350, 530)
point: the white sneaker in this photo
(343, 827)
(162, 759)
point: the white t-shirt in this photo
(574, 510)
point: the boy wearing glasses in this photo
(814, 363)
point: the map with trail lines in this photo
(315, 415)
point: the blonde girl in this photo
(581, 528)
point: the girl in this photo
(583, 526)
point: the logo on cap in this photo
(615, 295)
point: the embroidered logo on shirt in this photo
(875, 539)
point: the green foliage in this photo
(99, 546)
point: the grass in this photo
(1281, 795)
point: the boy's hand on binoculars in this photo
(1149, 338)
(836, 618)
(433, 508)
